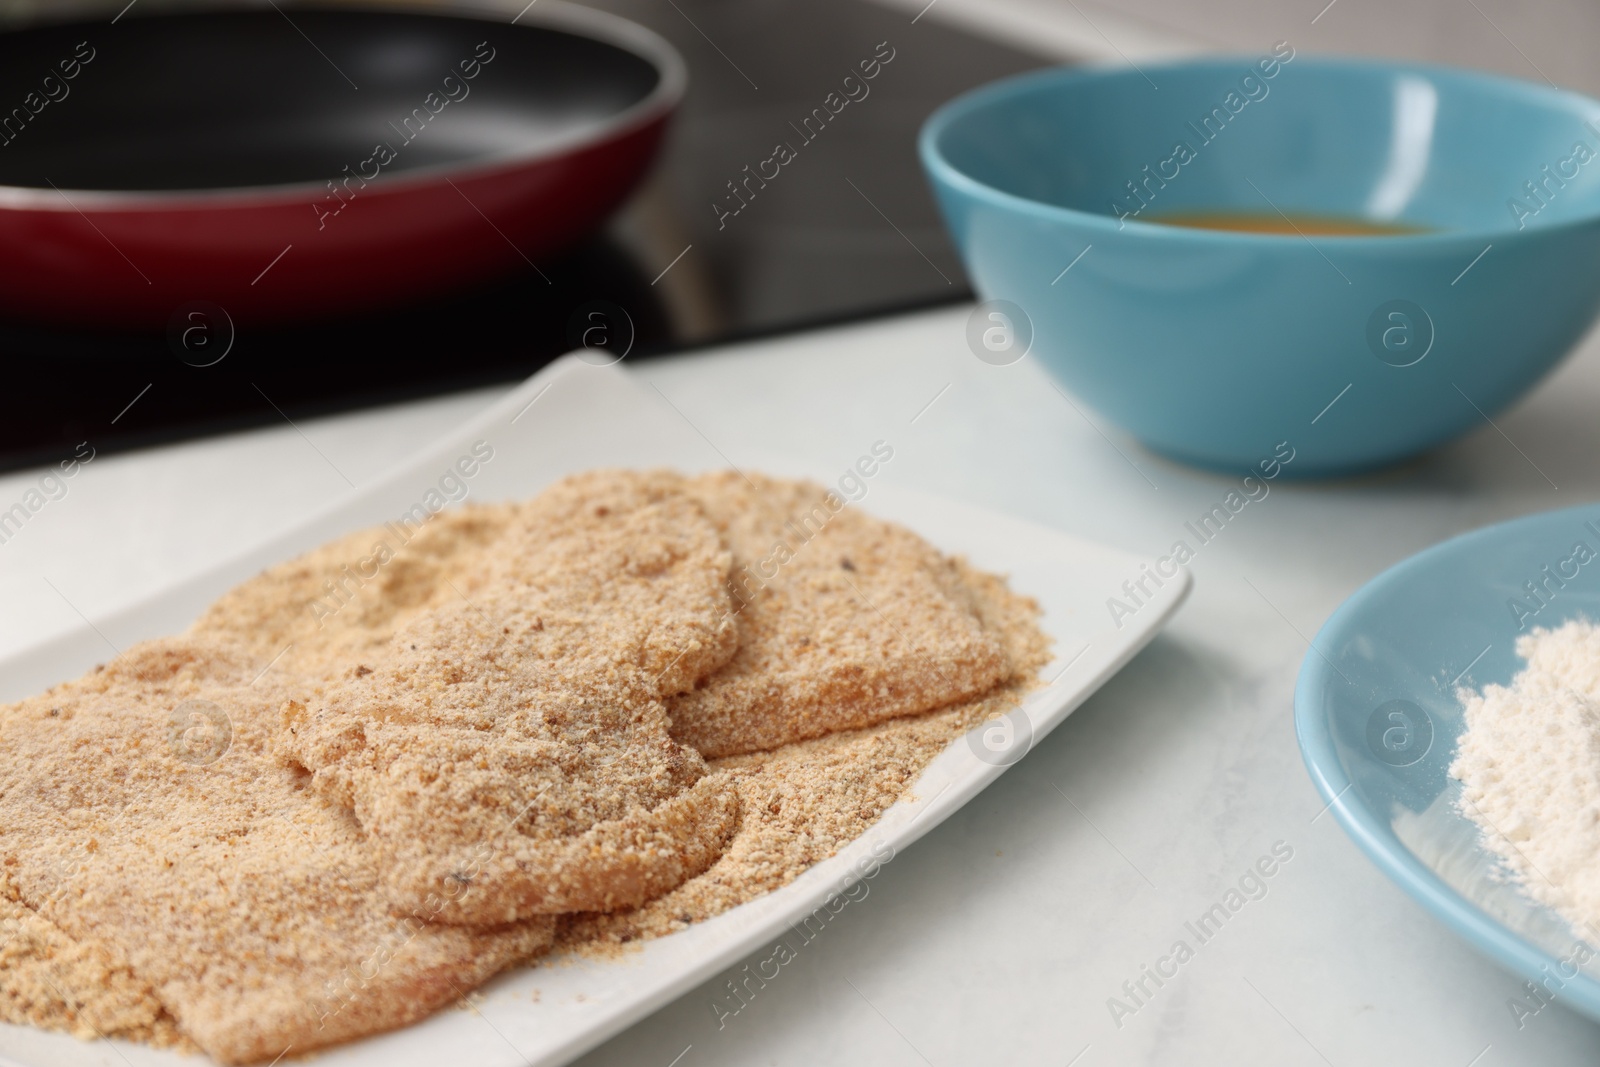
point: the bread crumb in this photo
(190, 881)
(804, 801)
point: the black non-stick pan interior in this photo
(223, 99)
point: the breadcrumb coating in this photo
(531, 716)
(323, 613)
(141, 810)
(844, 620)
(49, 980)
(367, 779)
(805, 801)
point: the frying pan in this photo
(293, 161)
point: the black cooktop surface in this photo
(786, 197)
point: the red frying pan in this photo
(294, 161)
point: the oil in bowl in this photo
(1290, 225)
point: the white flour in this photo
(1529, 763)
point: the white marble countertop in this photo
(1000, 937)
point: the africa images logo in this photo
(452, 90)
(1252, 88)
(853, 88)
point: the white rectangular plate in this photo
(570, 417)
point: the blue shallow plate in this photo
(1377, 718)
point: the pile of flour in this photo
(1529, 763)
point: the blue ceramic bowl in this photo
(1213, 347)
(1377, 719)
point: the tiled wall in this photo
(1536, 39)
(1558, 40)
